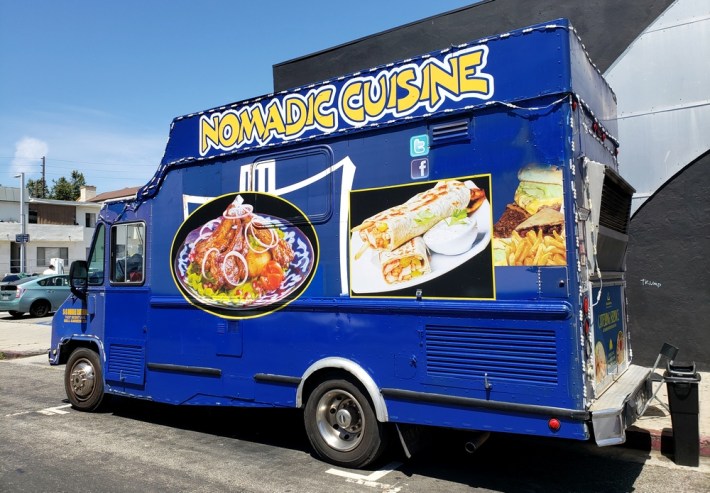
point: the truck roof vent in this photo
(450, 132)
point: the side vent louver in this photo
(511, 354)
(616, 205)
(126, 363)
(450, 132)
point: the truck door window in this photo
(96, 259)
(128, 253)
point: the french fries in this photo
(536, 249)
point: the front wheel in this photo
(83, 380)
(342, 426)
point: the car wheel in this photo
(342, 426)
(15, 314)
(40, 308)
(83, 380)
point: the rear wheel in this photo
(40, 308)
(342, 426)
(83, 380)
(15, 314)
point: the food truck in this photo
(438, 241)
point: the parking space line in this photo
(372, 477)
(54, 410)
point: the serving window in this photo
(303, 177)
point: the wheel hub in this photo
(343, 418)
(340, 420)
(82, 379)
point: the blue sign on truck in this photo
(438, 241)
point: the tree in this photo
(37, 188)
(64, 189)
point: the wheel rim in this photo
(41, 310)
(82, 379)
(340, 420)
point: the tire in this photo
(83, 380)
(15, 314)
(40, 308)
(342, 426)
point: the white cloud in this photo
(28, 154)
(111, 153)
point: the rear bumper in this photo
(620, 405)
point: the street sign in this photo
(23, 238)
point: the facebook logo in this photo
(420, 168)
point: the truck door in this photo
(126, 305)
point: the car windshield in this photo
(10, 278)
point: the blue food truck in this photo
(438, 241)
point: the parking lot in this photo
(143, 446)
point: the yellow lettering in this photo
(352, 102)
(252, 124)
(375, 97)
(274, 122)
(209, 133)
(404, 81)
(296, 114)
(228, 129)
(438, 77)
(325, 119)
(468, 63)
(392, 84)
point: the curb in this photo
(4, 355)
(659, 440)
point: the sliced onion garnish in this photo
(227, 277)
(238, 209)
(268, 227)
(207, 254)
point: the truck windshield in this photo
(96, 261)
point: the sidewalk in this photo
(24, 337)
(654, 430)
(29, 337)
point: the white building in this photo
(56, 228)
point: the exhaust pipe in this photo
(476, 441)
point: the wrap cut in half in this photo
(393, 227)
(405, 263)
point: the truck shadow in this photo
(508, 463)
(277, 427)
(514, 463)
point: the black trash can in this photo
(682, 384)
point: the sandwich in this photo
(540, 186)
(509, 220)
(547, 221)
(406, 262)
(393, 227)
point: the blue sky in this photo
(94, 85)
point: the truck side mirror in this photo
(79, 278)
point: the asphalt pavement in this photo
(25, 337)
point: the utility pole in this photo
(21, 176)
(44, 183)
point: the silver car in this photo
(37, 295)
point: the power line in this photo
(79, 162)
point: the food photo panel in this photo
(431, 239)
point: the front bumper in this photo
(620, 405)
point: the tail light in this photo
(19, 292)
